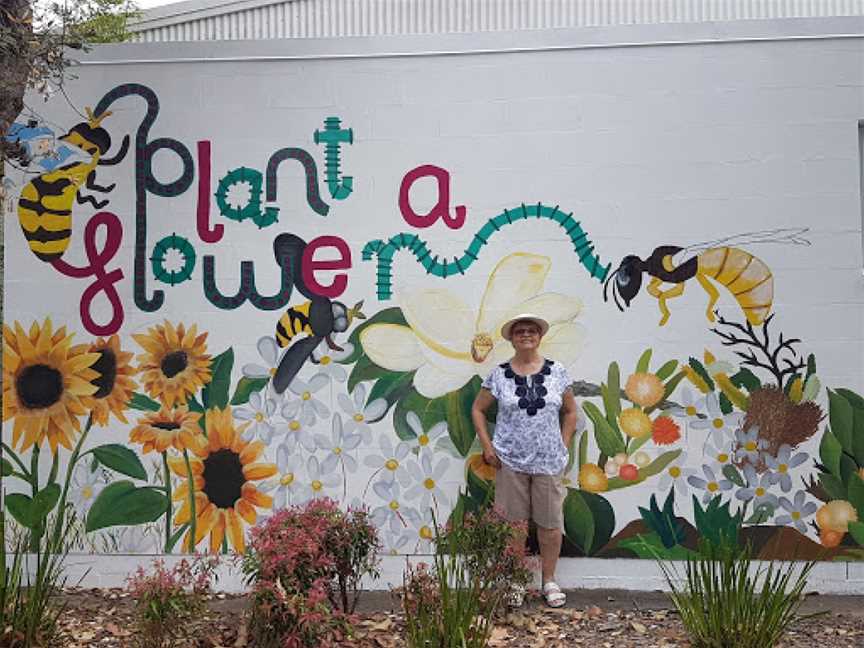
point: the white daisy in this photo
(328, 359)
(711, 485)
(86, 486)
(690, 408)
(269, 351)
(420, 533)
(717, 423)
(316, 482)
(426, 478)
(796, 511)
(288, 481)
(297, 426)
(393, 543)
(393, 513)
(749, 445)
(756, 490)
(719, 451)
(338, 447)
(424, 440)
(391, 460)
(782, 463)
(309, 405)
(360, 416)
(675, 475)
(260, 412)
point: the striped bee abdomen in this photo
(745, 276)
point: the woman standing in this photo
(535, 423)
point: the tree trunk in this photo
(16, 29)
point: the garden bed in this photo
(105, 618)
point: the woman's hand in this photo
(491, 458)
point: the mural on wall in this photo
(153, 440)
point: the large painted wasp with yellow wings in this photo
(747, 278)
(318, 318)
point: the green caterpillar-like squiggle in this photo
(385, 250)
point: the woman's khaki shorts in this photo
(521, 496)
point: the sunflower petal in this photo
(256, 471)
(234, 528)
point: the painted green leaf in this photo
(609, 440)
(855, 399)
(31, 512)
(120, 459)
(588, 520)
(479, 491)
(175, 537)
(391, 387)
(429, 411)
(848, 467)
(833, 486)
(6, 468)
(644, 361)
(143, 403)
(699, 368)
(121, 503)
(667, 369)
(649, 545)
(612, 395)
(811, 367)
(725, 404)
(841, 416)
(194, 406)
(856, 530)
(761, 514)
(811, 388)
(215, 393)
(856, 494)
(746, 379)
(830, 452)
(246, 387)
(654, 468)
(365, 370)
(731, 473)
(583, 448)
(858, 435)
(387, 316)
(458, 413)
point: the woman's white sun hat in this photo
(524, 317)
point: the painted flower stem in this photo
(168, 512)
(60, 520)
(39, 531)
(9, 452)
(192, 512)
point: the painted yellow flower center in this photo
(317, 485)
(712, 487)
(782, 468)
(675, 472)
(325, 360)
(426, 533)
(481, 347)
(760, 492)
(750, 446)
(690, 410)
(337, 450)
(87, 492)
(287, 479)
(394, 505)
(306, 396)
(294, 426)
(722, 457)
(428, 483)
(717, 423)
(259, 417)
(423, 440)
(273, 371)
(391, 464)
(358, 418)
(796, 515)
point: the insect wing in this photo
(787, 236)
(292, 361)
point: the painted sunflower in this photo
(114, 386)
(47, 384)
(176, 363)
(168, 428)
(224, 468)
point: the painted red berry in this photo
(629, 472)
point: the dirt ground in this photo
(600, 619)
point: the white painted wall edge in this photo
(92, 570)
(478, 43)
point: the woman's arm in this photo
(569, 416)
(478, 416)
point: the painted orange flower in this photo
(479, 467)
(114, 386)
(176, 364)
(665, 431)
(223, 468)
(634, 423)
(47, 384)
(168, 428)
(593, 479)
(644, 389)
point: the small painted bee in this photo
(745, 276)
(318, 318)
(45, 204)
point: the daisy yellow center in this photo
(294, 426)
(325, 360)
(782, 468)
(423, 440)
(317, 485)
(428, 483)
(259, 417)
(273, 371)
(760, 492)
(306, 396)
(394, 505)
(358, 418)
(337, 450)
(717, 423)
(750, 446)
(287, 479)
(391, 464)
(690, 410)
(796, 515)
(722, 457)
(87, 492)
(712, 487)
(675, 472)
(426, 533)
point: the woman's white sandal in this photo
(553, 595)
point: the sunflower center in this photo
(394, 505)
(174, 363)
(425, 533)
(675, 472)
(713, 487)
(481, 346)
(358, 418)
(391, 464)
(106, 365)
(223, 478)
(39, 386)
(166, 425)
(691, 411)
(428, 483)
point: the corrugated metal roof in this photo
(256, 19)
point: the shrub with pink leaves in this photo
(305, 564)
(166, 598)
